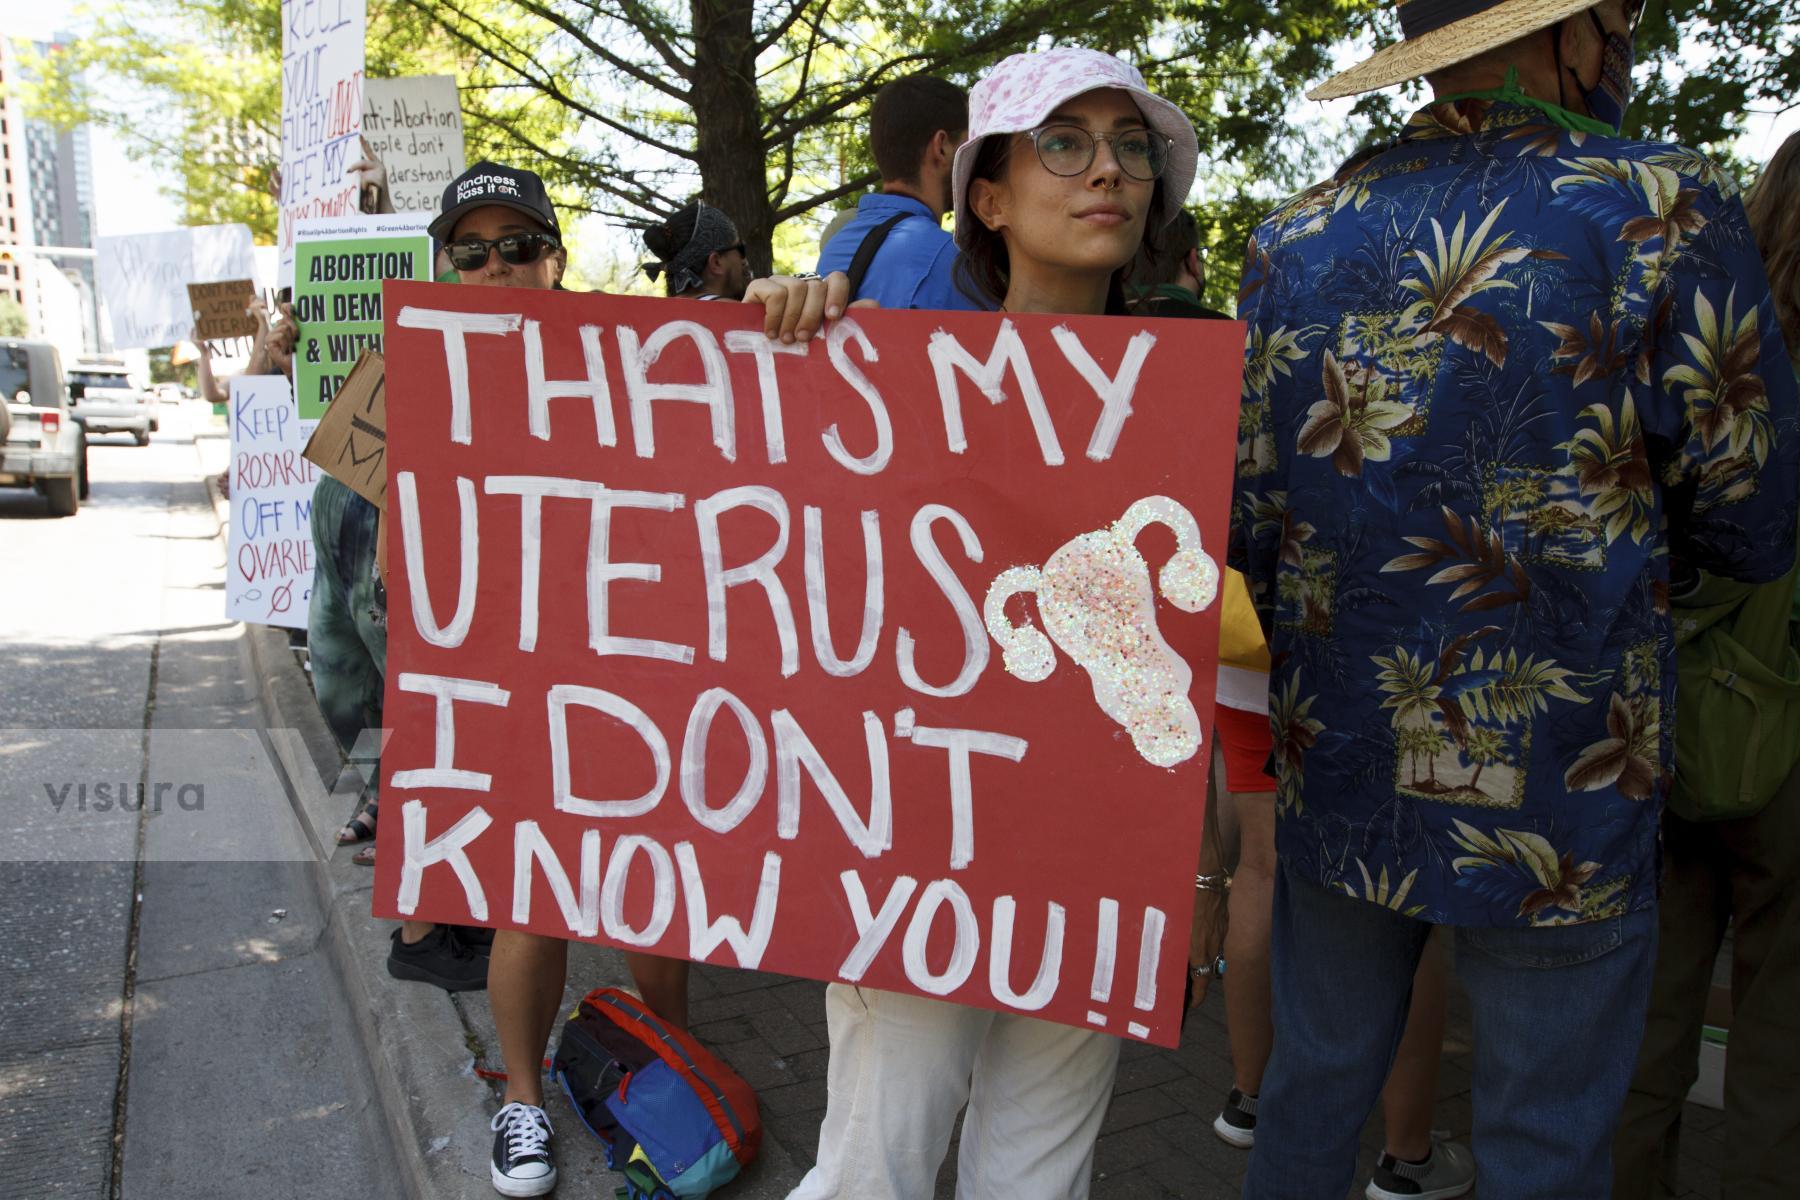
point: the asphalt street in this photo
(169, 1027)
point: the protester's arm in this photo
(370, 175)
(795, 309)
(259, 363)
(1721, 382)
(274, 348)
(212, 388)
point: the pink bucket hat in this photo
(1024, 89)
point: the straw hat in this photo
(1442, 33)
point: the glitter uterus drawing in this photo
(1095, 600)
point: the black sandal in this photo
(360, 827)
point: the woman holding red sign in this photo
(1071, 165)
(500, 230)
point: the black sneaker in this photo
(1236, 1122)
(478, 938)
(1448, 1172)
(440, 958)
(523, 1163)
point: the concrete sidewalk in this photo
(425, 1046)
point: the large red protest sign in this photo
(885, 658)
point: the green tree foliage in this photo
(1703, 68)
(13, 322)
(759, 106)
(631, 107)
(211, 70)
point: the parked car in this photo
(116, 410)
(107, 373)
(165, 393)
(45, 447)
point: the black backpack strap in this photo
(865, 253)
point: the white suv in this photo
(138, 417)
(116, 410)
(44, 447)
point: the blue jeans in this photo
(1558, 1014)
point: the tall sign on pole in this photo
(321, 112)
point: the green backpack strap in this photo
(1738, 689)
(1757, 693)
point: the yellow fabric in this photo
(638, 1156)
(1241, 642)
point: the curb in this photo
(419, 1051)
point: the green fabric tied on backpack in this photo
(1737, 733)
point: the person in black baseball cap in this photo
(499, 228)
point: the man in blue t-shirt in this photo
(915, 126)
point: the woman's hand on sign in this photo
(284, 333)
(794, 309)
(370, 175)
(274, 343)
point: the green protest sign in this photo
(339, 266)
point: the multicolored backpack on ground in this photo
(673, 1120)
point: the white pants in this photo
(901, 1068)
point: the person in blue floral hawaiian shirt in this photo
(1511, 382)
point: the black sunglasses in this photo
(518, 249)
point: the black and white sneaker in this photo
(1448, 1172)
(1236, 1122)
(523, 1163)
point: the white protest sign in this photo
(414, 126)
(143, 279)
(269, 567)
(321, 112)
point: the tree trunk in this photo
(727, 119)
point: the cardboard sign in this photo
(269, 567)
(339, 268)
(219, 309)
(143, 279)
(414, 126)
(350, 443)
(321, 113)
(886, 658)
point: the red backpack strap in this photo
(728, 1098)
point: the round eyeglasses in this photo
(518, 249)
(1070, 149)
